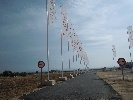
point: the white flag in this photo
(79, 47)
(130, 39)
(114, 51)
(64, 21)
(129, 29)
(51, 11)
(71, 36)
(76, 44)
(69, 28)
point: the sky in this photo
(99, 24)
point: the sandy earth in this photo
(114, 78)
(13, 87)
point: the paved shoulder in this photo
(87, 86)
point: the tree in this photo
(1, 74)
(7, 73)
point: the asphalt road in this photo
(87, 86)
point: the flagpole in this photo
(69, 57)
(64, 29)
(76, 57)
(131, 55)
(73, 55)
(47, 40)
(61, 55)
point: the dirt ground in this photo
(13, 87)
(115, 79)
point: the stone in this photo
(62, 78)
(49, 82)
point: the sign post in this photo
(41, 64)
(41, 76)
(121, 62)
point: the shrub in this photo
(23, 74)
(11, 74)
(36, 72)
(7, 73)
(1, 74)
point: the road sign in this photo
(121, 61)
(41, 64)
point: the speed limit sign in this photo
(121, 61)
(41, 64)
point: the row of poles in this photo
(66, 31)
(130, 40)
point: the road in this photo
(87, 86)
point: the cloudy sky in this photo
(99, 24)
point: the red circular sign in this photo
(121, 61)
(41, 64)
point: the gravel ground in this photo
(87, 86)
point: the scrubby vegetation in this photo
(7, 73)
(13, 87)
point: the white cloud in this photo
(101, 38)
(98, 24)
